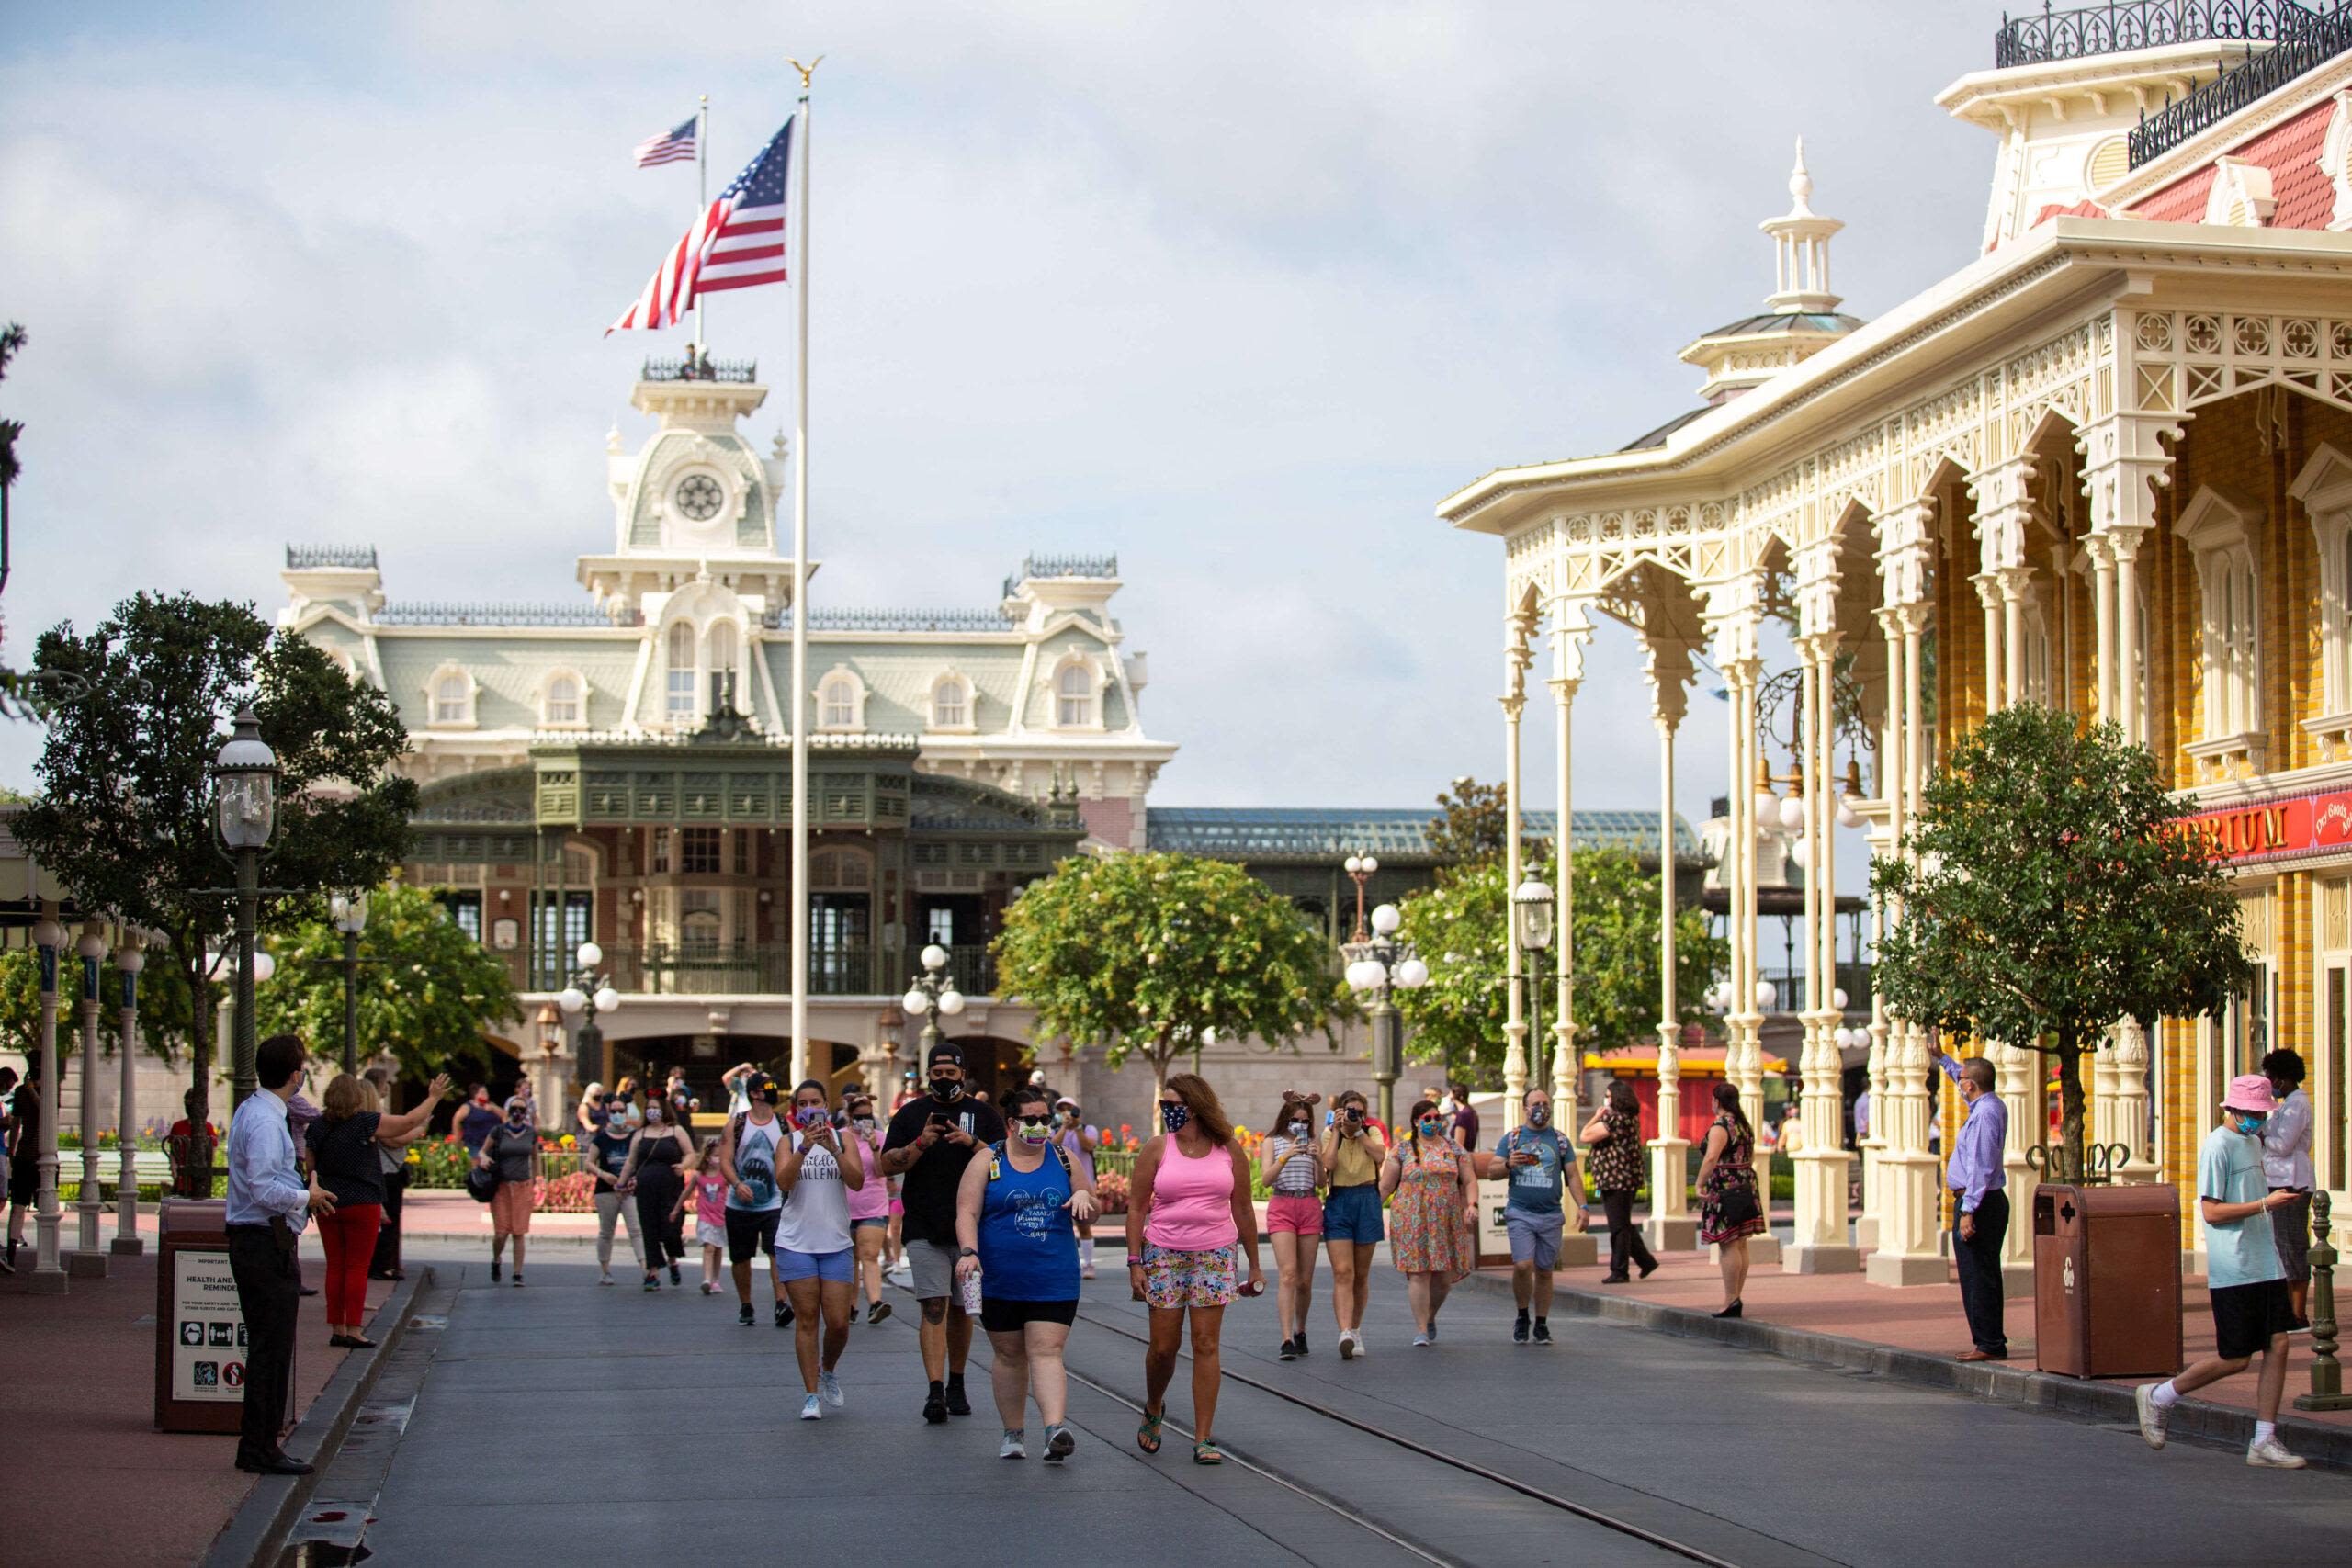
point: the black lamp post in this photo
(244, 797)
(348, 912)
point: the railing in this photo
(972, 971)
(305, 558)
(1061, 566)
(442, 613)
(1788, 986)
(2310, 41)
(701, 368)
(894, 620)
(2142, 24)
(714, 968)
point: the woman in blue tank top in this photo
(1015, 1226)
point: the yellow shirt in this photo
(1353, 1166)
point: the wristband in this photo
(1133, 1261)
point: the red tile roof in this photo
(2083, 208)
(2290, 152)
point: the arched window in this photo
(679, 688)
(837, 704)
(563, 699)
(721, 653)
(951, 703)
(449, 695)
(1074, 697)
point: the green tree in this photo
(1472, 823)
(1151, 952)
(2046, 892)
(425, 989)
(125, 818)
(162, 1006)
(1460, 925)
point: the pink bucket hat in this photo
(2250, 1091)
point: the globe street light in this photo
(1361, 869)
(931, 993)
(245, 797)
(590, 990)
(348, 912)
(1377, 967)
(1531, 918)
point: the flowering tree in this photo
(1158, 953)
(2046, 892)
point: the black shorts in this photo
(2247, 1317)
(24, 1178)
(750, 1231)
(999, 1317)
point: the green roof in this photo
(1268, 833)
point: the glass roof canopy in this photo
(1268, 833)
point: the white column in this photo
(1516, 653)
(1823, 1245)
(1671, 1226)
(89, 1258)
(1744, 1061)
(130, 959)
(1569, 628)
(49, 1273)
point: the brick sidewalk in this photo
(79, 1375)
(1920, 1317)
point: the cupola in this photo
(1801, 316)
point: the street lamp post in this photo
(88, 1259)
(932, 993)
(129, 958)
(590, 991)
(348, 912)
(1377, 967)
(1360, 869)
(244, 794)
(49, 1275)
(1531, 911)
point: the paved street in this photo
(562, 1408)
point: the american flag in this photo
(675, 145)
(737, 243)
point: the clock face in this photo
(698, 498)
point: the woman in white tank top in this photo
(813, 1258)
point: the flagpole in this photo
(702, 201)
(800, 710)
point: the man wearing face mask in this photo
(1982, 1215)
(931, 1141)
(1540, 1165)
(2252, 1311)
(748, 1155)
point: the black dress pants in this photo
(269, 1284)
(1626, 1241)
(1979, 1261)
(387, 1234)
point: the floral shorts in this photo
(1172, 1279)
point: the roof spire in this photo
(1800, 185)
(1800, 249)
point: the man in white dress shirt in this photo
(2287, 1167)
(269, 1202)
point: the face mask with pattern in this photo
(1173, 1116)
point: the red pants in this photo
(349, 1235)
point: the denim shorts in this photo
(1353, 1215)
(832, 1268)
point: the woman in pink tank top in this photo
(1188, 1216)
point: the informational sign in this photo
(207, 1329)
(1494, 1238)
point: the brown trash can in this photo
(2107, 1280)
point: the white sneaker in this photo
(829, 1389)
(1363, 1349)
(2271, 1454)
(1347, 1344)
(1421, 1340)
(1016, 1446)
(2151, 1415)
(812, 1409)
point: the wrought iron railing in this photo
(1061, 566)
(972, 971)
(716, 968)
(702, 368)
(1789, 987)
(857, 620)
(441, 612)
(303, 558)
(2114, 28)
(2312, 41)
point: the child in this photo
(2248, 1285)
(709, 1189)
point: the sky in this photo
(1234, 291)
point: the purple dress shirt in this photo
(1975, 1167)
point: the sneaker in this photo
(782, 1314)
(935, 1408)
(606, 1280)
(1421, 1340)
(1519, 1330)
(1085, 1272)
(2271, 1454)
(651, 1284)
(877, 1312)
(1299, 1339)
(829, 1389)
(1542, 1332)
(495, 1267)
(743, 1314)
(518, 1279)
(956, 1403)
(812, 1409)
(673, 1274)
(1347, 1344)
(708, 1289)
(1289, 1352)
(1058, 1444)
(1015, 1445)
(2151, 1415)
(1432, 1331)
(1363, 1349)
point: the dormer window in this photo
(840, 701)
(449, 696)
(951, 703)
(564, 703)
(1074, 696)
(678, 687)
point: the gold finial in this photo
(805, 71)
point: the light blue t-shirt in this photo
(2242, 1252)
(1535, 1189)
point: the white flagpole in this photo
(702, 202)
(799, 709)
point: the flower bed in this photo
(573, 1194)
(1110, 1192)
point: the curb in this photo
(257, 1530)
(2194, 1420)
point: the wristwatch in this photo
(968, 1252)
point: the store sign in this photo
(1493, 1234)
(207, 1329)
(2270, 828)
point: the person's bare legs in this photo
(959, 1338)
(1731, 1262)
(1363, 1272)
(837, 1297)
(1440, 1286)
(1048, 1380)
(1208, 1368)
(2213, 1369)
(710, 1260)
(1306, 1244)
(1159, 1356)
(1287, 1310)
(869, 1263)
(518, 1255)
(1522, 1284)
(742, 1272)
(1417, 1291)
(1344, 1282)
(803, 1294)
(932, 1335)
(1009, 1377)
(2274, 1379)
(1543, 1292)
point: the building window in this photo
(452, 695)
(2324, 487)
(722, 653)
(837, 703)
(698, 852)
(1074, 697)
(563, 699)
(2228, 581)
(661, 851)
(679, 688)
(699, 924)
(464, 908)
(951, 703)
(939, 923)
(564, 921)
(743, 851)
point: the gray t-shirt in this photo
(510, 1150)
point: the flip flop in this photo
(1207, 1453)
(1148, 1434)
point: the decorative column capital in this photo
(1667, 663)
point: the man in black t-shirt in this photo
(931, 1140)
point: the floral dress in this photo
(1425, 1230)
(1734, 1169)
(1616, 1161)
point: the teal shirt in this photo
(2241, 1252)
(1535, 1189)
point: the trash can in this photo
(2107, 1280)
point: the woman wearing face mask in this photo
(869, 1206)
(1016, 1216)
(1433, 1216)
(1078, 1142)
(815, 1176)
(608, 1150)
(1353, 1148)
(652, 1178)
(1188, 1211)
(509, 1152)
(1293, 1169)
(1612, 1142)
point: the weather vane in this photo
(805, 71)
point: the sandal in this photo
(1148, 1434)
(1207, 1453)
